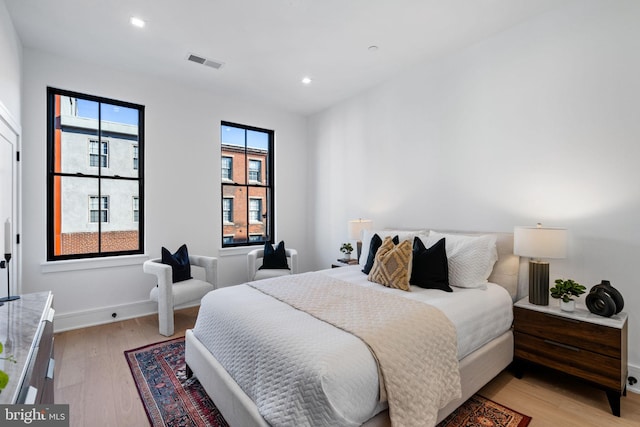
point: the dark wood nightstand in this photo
(579, 343)
(344, 262)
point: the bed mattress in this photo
(302, 371)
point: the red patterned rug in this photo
(172, 400)
(478, 411)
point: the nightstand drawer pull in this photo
(568, 347)
(564, 319)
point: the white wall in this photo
(182, 183)
(537, 124)
(10, 71)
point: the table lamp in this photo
(539, 242)
(356, 227)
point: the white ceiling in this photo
(267, 45)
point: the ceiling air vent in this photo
(204, 61)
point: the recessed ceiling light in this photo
(306, 80)
(373, 48)
(137, 22)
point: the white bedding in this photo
(302, 371)
(479, 315)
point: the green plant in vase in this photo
(4, 377)
(565, 290)
(346, 249)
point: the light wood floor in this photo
(93, 377)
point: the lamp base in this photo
(9, 298)
(539, 282)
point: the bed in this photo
(264, 362)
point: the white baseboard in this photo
(634, 371)
(100, 316)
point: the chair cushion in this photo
(271, 272)
(185, 291)
(179, 262)
(274, 258)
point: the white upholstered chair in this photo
(169, 294)
(254, 262)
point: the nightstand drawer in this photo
(584, 335)
(594, 367)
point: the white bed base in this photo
(476, 370)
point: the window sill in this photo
(237, 250)
(92, 263)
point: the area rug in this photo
(172, 400)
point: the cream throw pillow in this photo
(392, 265)
(471, 258)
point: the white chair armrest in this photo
(293, 254)
(165, 282)
(160, 270)
(210, 265)
(252, 258)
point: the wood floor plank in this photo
(92, 376)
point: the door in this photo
(9, 202)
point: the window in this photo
(99, 209)
(227, 210)
(135, 157)
(98, 157)
(255, 168)
(247, 185)
(136, 209)
(114, 132)
(255, 210)
(227, 168)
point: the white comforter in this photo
(302, 371)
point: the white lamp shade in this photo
(540, 242)
(357, 226)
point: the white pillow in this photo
(471, 258)
(402, 235)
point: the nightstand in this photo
(579, 343)
(344, 262)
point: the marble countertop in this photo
(581, 313)
(20, 321)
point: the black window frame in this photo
(266, 181)
(52, 174)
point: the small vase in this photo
(567, 306)
(347, 256)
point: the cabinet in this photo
(579, 343)
(26, 332)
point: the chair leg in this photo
(165, 322)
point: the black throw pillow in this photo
(274, 258)
(375, 244)
(179, 262)
(430, 268)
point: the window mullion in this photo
(246, 183)
(99, 177)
